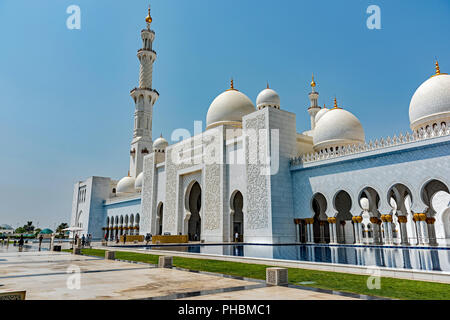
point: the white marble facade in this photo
(250, 176)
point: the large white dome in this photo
(126, 185)
(268, 98)
(336, 128)
(229, 108)
(430, 103)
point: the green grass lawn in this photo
(390, 287)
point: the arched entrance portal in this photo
(321, 230)
(237, 217)
(194, 206)
(344, 227)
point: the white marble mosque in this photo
(251, 173)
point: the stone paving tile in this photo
(271, 293)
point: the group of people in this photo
(85, 241)
(20, 243)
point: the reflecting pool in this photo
(391, 257)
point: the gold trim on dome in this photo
(335, 106)
(232, 86)
(438, 70)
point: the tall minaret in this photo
(314, 107)
(144, 97)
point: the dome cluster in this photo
(229, 107)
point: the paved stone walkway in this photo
(44, 275)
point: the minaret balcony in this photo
(137, 91)
(148, 31)
(147, 50)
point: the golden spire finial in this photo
(149, 17)
(335, 103)
(232, 86)
(313, 84)
(128, 173)
(438, 71)
(268, 85)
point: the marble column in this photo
(402, 220)
(309, 230)
(332, 225)
(387, 223)
(376, 230)
(422, 228)
(358, 229)
(431, 231)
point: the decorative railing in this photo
(402, 139)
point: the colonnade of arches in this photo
(117, 226)
(367, 225)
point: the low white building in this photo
(6, 229)
(252, 174)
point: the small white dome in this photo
(268, 98)
(126, 185)
(160, 144)
(229, 108)
(138, 182)
(320, 114)
(336, 128)
(431, 102)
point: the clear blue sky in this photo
(65, 110)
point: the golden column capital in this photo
(430, 220)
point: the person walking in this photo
(236, 237)
(147, 238)
(124, 238)
(21, 242)
(83, 240)
(40, 241)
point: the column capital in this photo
(402, 219)
(430, 220)
(332, 220)
(375, 220)
(357, 219)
